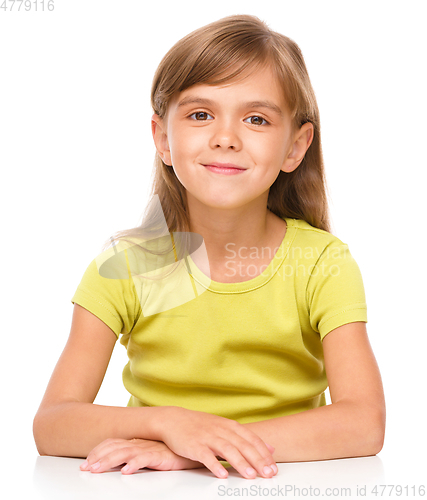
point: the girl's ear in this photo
(158, 129)
(301, 142)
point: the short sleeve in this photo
(335, 290)
(110, 296)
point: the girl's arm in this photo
(354, 424)
(69, 424)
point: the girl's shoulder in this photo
(310, 235)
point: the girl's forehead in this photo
(257, 82)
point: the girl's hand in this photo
(203, 437)
(137, 454)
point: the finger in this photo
(207, 457)
(95, 453)
(233, 455)
(271, 449)
(257, 453)
(250, 436)
(246, 458)
(150, 459)
(100, 450)
(113, 459)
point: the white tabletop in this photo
(365, 477)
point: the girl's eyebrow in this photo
(252, 104)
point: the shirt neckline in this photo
(257, 281)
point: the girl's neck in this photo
(229, 231)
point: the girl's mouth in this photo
(225, 168)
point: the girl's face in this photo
(246, 124)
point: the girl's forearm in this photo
(73, 429)
(340, 430)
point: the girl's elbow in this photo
(380, 437)
(367, 430)
(381, 419)
(38, 435)
(376, 432)
(376, 444)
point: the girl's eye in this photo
(256, 120)
(200, 116)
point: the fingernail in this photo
(125, 468)
(271, 446)
(274, 467)
(222, 472)
(267, 470)
(250, 472)
(84, 465)
(95, 466)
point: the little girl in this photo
(236, 304)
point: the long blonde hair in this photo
(218, 53)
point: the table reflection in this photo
(54, 476)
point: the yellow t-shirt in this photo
(247, 351)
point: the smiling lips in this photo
(225, 168)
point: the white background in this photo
(76, 158)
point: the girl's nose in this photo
(225, 137)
